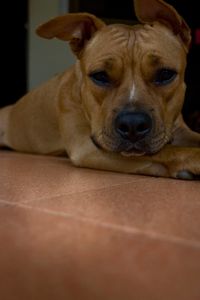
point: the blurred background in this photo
(30, 60)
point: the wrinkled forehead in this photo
(133, 43)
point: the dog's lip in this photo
(133, 152)
(130, 152)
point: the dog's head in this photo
(132, 77)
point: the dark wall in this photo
(14, 50)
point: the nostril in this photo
(142, 128)
(123, 128)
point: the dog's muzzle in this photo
(133, 135)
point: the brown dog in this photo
(119, 107)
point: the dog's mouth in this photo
(148, 146)
(134, 152)
(126, 152)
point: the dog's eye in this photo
(164, 76)
(100, 78)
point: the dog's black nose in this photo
(133, 126)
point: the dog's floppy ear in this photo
(77, 28)
(149, 11)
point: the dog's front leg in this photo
(175, 162)
(171, 161)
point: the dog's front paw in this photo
(188, 165)
(190, 172)
(185, 175)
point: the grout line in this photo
(116, 227)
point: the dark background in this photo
(14, 46)
(14, 19)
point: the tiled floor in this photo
(70, 234)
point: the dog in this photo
(119, 107)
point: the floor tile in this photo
(145, 205)
(29, 177)
(49, 257)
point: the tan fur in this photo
(70, 111)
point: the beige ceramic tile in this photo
(49, 257)
(146, 205)
(29, 177)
